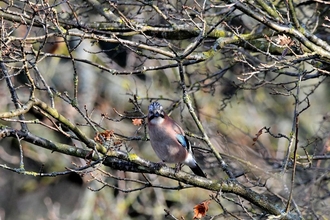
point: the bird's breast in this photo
(166, 146)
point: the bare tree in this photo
(247, 80)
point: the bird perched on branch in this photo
(169, 140)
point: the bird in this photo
(168, 139)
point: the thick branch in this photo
(316, 44)
(55, 114)
(132, 163)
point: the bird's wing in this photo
(183, 140)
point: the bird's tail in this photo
(198, 170)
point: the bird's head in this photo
(156, 113)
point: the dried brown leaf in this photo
(201, 209)
(137, 121)
(106, 135)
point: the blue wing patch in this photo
(182, 140)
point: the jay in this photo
(168, 139)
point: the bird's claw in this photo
(178, 167)
(160, 164)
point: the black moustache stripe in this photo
(154, 116)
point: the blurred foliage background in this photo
(259, 87)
